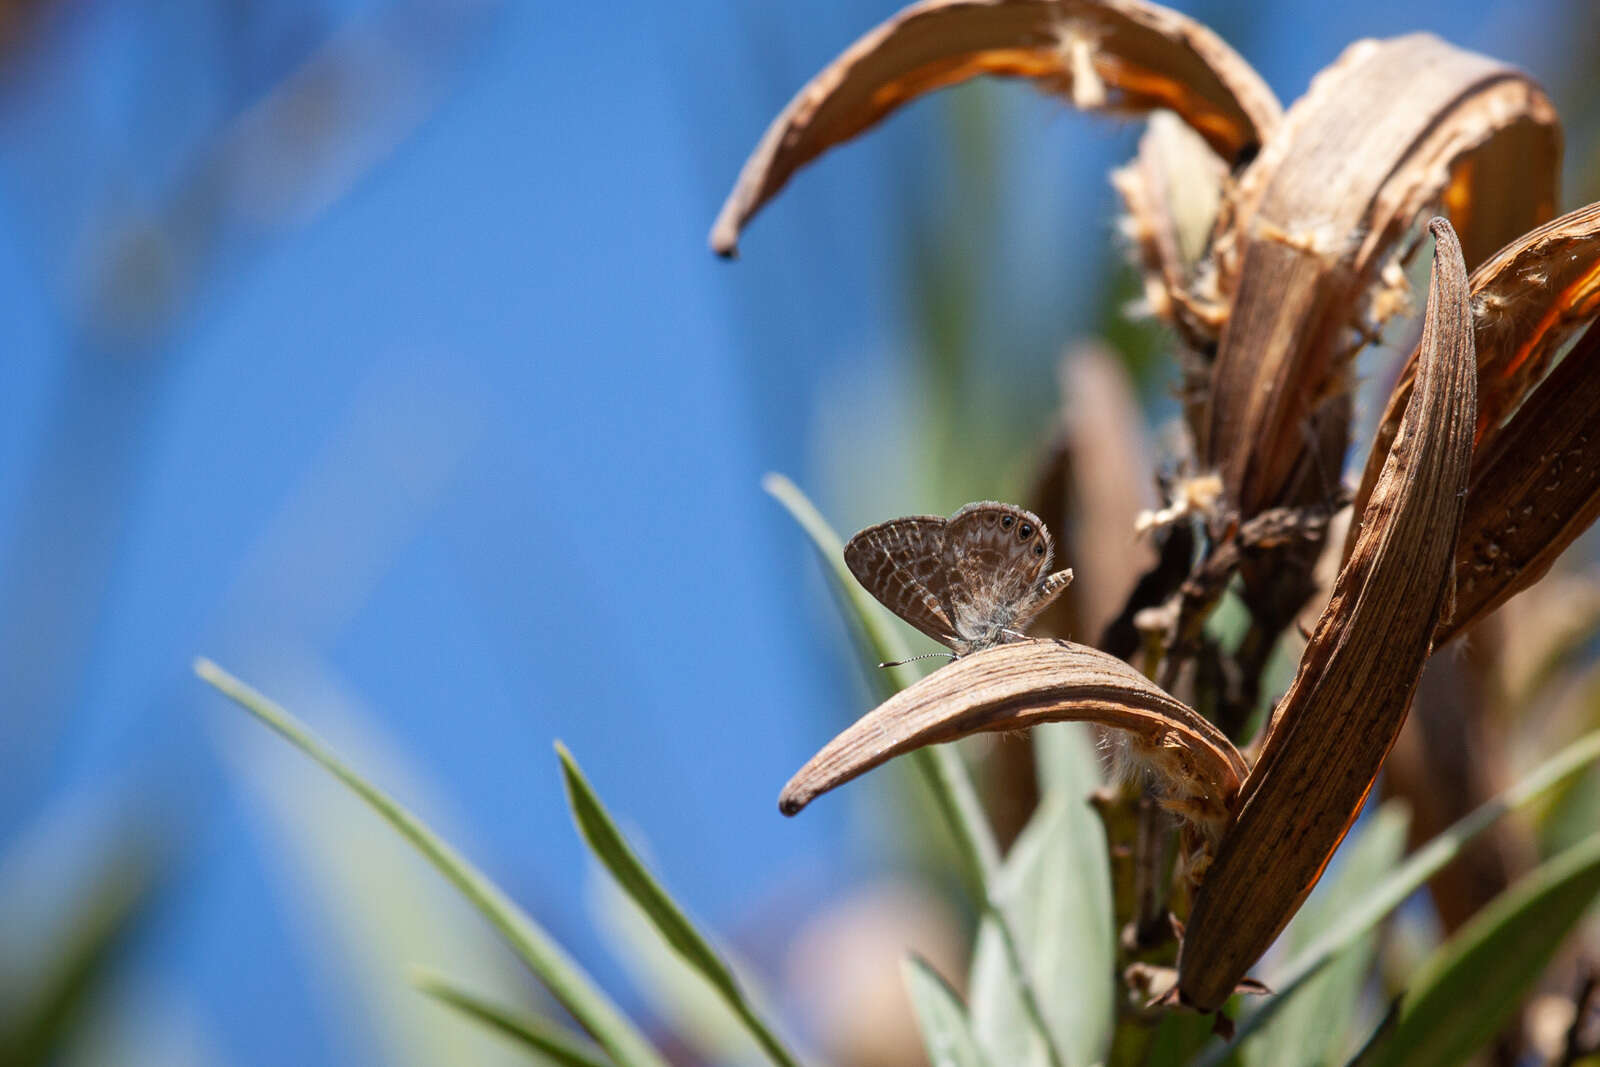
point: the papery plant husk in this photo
(1123, 56)
(1389, 129)
(1027, 683)
(1358, 672)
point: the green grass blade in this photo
(576, 991)
(1407, 879)
(612, 849)
(546, 1039)
(941, 767)
(1470, 987)
(946, 1032)
(1314, 1027)
(100, 915)
(1055, 887)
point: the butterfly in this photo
(970, 581)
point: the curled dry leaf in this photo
(1534, 489)
(1023, 684)
(1356, 677)
(1126, 55)
(1534, 485)
(1390, 129)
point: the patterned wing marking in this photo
(997, 554)
(901, 563)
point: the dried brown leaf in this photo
(1125, 55)
(1531, 485)
(1390, 129)
(1535, 488)
(1015, 686)
(1358, 672)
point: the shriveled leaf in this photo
(1536, 468)
(946, 1032)
(1467, 990)
(548, 961)
(1055, 886)
(1538, 489)
(1350, 696)
(618, 857)
(1014, 686)
(1410, 876)
(1125, 55)
(548, 1041)
(1389, 129)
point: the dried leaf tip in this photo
(1356, 677)
(1015, 686)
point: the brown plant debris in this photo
(1121, 55)
(1014, 686)
(1356, 677)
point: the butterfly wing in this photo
(902, 564)
(997, 555)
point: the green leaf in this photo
(949, 782)
(1465, 992)
(1056, 888)
(612, 850)
(576, 991)
(1314, 1027)
(550, 1042)
(94, 918)
(940, 765)
(1407, 879)
(946, 1032)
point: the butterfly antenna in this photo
(913, 659)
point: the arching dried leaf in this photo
(1125, 55)
(1534, 489)
(1391, 129)
(1015, 686)
(1358, 672)
(1531, 482)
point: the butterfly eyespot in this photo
(1038, 549)
(1025, 532)
(1007, 520)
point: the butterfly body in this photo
(970, 581)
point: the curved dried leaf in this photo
(1014, 686)
(1356, 677)
(1389, 130)
(1533, 491)
(1529, 301)
(1126, 55)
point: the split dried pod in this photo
(1358, 672)
(1119, 55)
(1196, 770)
(1390, 129)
